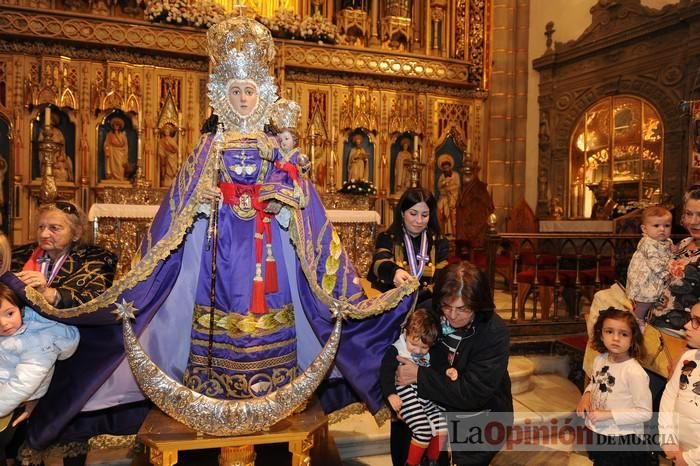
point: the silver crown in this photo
(286, 114)
(241, 49)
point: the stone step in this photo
(520, 368)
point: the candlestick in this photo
(47, 116)
(313, 156)
(180, 138)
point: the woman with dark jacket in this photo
(411, 247)
(64, 269)
(473, 383)
(67, 272)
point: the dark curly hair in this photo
(637, 349)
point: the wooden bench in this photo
(306, 433)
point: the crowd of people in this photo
(430, 345)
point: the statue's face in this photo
(286, 140)
(243, 96)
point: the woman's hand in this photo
(680, 461)
(599, 415)
(401, 277)
(28, 408)
(32, 278)
(584, 405)
(671, 451)
(210, 194)
(407, 372)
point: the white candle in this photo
(47, 116)
(415, 143)
(333, 133)
(469, 146)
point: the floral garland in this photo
(284, 24)
(197, 14)
(358, 187)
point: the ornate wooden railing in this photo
(541, 268)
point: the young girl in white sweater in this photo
(679, 413)
(617, 401)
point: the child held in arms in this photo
(648, 275)
(425, 418)
(29, 348)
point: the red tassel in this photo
(271, 285)
(258, 304)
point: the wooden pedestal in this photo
(306, 433)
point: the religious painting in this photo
(401, 155)
(4, 175)
(117, 145)
(358, 156)
(448, 162)
(61, 131)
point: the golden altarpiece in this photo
(122, 99)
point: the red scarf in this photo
(33, 262)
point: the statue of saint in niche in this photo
(358, 160)
(448, 189)
(168, 154)
(116, 151)
(402, 173)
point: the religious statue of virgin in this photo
(240, 277)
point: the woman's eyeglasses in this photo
(462, 309)
(695, 322)
(66, 207)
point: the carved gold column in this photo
(139, 180)
(312, 137)
(437, 28)
(330, 168)
(374, 20)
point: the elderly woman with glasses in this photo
(61, 265)
(473, 379)
(67, 272)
